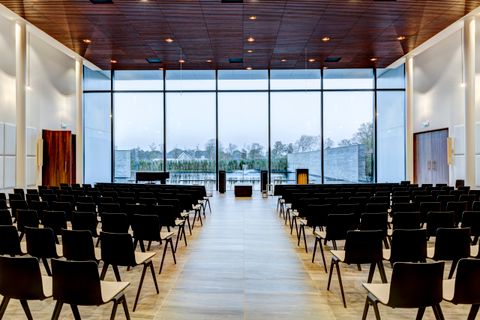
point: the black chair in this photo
(457, 207)
(115, 222)
(3, 204)
(147, 228)
(41, 245)
(109, 208)
(426, 207)
(86, 207)
(413, 285)
(375, 221)
(66, 207)
(464, 288)
(439, 219)
(40, 207)
(20, 279)
(469, 198)
(406, 220)
(451, 244)
(78, 245)
(471, 219)
(85, 221)
(77, 283)
(16, 205)
(32, 197)
(169, 218)
(407, 245)
(361, 247)
(26, 218)
(377, 207)
(5, 218)
(337, 227)
(15, 196)
(55, 220)
(444, 199)
(84, 199)
(117, 250)
(9, 241)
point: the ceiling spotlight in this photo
(373, 59)
(284, 60)
(251, 39)
(325, 68)
(400, 38)
(209, 60)
(113, 61)
(326, 39)
(252, 18)
(169, 40)
(249, 68)
(181, 61)
(250, 51)
(311, 60)
(87, 41)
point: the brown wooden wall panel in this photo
(58, 164)
(130, 31)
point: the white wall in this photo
(439, 97)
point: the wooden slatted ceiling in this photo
(129, 31)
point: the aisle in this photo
(243, 266)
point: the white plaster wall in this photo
(7, 70)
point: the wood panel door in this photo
(431, 164)
(58, 158)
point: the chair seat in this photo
(179, 222)
(320, 234)
(110, 289)
(98, 253)
(387, 253)
(142, 257)
(448, 289)
(166, 235)
(430, 252)
(196, 207)
(47, 286)
(184, 214)
(381, 291)
(338, 254)
(303, 222)
(389, 232)
(294, 213)
(474, 250)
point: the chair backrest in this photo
(86, 206)
(403, 207)
(339, 224)
(78, 245)
(452, 243)
(471, 219)
(109, 208)
(76, 282)
(115, 222)
(20, 278)
(5, 217)
(26, 218)
(318, 214)
(376, 207)
(15, 196)
(56, 220)
(146, 227)
(409, 245)
(425, 207)
(166, 214)
(406, 220)
(374, 221)
(41, 242)
(9, 241)
(363, 246)
(3, 204)
(85, 221)
(439, 219)
(117, 249)
(416, 285)
(457, 207)
(16, 205)
(466, 282)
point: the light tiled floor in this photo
(242, 264)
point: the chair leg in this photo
(314, 249)
(475, 240)
(114, 310)
(381, 269)
(125, 307)
(334, 244)
(117, 273)
(56, 310)
(371, 272)
(189, 226)
(47, 267)
(365, 309)
(377, 312)
(150, 244)
(3, 306)
(140, 286)
(25, 307)
(153, 276)
(452, 269)
(385, 243)
(76, 313)
(341, 284)
(473, 312)
(173, 250)
(163, 258)
(420, 313)
(208, 202)
(437, 310)
(104, 271)
(305, 239)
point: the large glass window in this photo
(348, 137)
(139, 80)
(243, 136)
(180, 80)
(96, 80)
(191, 138)
(295, 79)
(242, 79)
(348, 79)
(138, 134)
(295, 136)
(97, 138)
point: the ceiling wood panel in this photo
(130, 31)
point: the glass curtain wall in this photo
(344, 125)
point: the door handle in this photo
(434, 165)
(429, 165)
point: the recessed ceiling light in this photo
(209, 60)
(250, 51)
(113, 61)
(251, 39)
(311, 60)
(252, 18)
(181, 61)
(373, 59)
(400, 38)
(325, 68)
(169, 40)
(284, 60)
(326, 39)
(249, 68)
(87, 41)
(154, 60)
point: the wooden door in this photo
(431, 164)
(57, 158)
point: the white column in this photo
(21, 119)
(409, 169)
(79, 120)
(469, 36)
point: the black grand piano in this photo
(151, 176)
